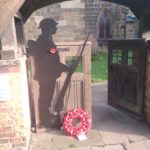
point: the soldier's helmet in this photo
(47, 24)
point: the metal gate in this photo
(126, 73)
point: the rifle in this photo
(68, 78)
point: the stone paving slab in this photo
(41, 141)
(114, 138)
(62, 141)
(108, 147)
(94, 138)
(141, 145)
(5, 147)
(80, 148)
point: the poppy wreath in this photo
(82, 116)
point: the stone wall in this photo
(147, 100)
(76, 18)
(68, 15)
(93, 12)
(132, 30)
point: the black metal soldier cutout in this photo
(46, 69)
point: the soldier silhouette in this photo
(46, 69)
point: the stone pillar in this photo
(8, 41)
(14, 100)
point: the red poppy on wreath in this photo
(82, 116)
(53, 50)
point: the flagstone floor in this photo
(112, 129)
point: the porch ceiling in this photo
(135, 5)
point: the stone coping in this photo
(72, 43)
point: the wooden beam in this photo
(8, 9)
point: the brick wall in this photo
(14, 111)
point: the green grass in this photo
(99, 67)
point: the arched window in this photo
(105, 25)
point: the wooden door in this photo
(126, 74)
